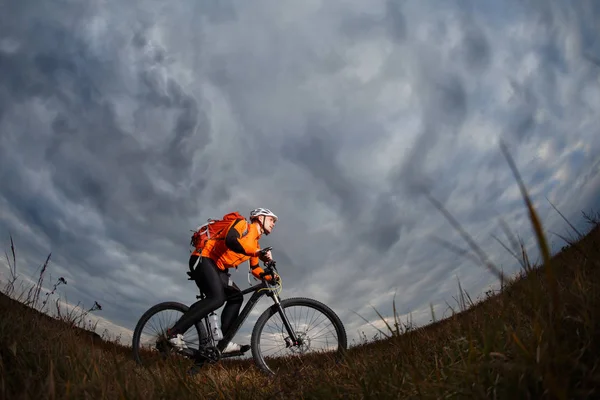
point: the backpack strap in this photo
(192, 272)
(245, 230)
(235, 223)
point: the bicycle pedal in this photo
(187, 353)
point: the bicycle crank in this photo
(210, 354)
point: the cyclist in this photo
(211, 276)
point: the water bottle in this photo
(214, 326)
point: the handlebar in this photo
(269, 265)
(266, 250)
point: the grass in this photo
(538, 337)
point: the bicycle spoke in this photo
(150, 335)
(313, 327)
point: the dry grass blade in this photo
(396, 319)
(511, 238)
(14, 257)
(370, 323)
(565, 219)
(456, 249)
(591, 218)
(577, 247)
(463, 304)
(537, 226)
(568, 241)
(509, 251)
(38, 288)
(12, 267)
(384, 321)
(465, 236)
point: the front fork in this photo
(292, 339)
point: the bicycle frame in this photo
(257, 291)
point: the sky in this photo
(124, 125)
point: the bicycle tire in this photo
(165, 306)
(257, 354)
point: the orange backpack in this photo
(214, 229)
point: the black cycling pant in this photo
(214, 284)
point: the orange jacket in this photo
(240, 245)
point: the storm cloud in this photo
(125, 125)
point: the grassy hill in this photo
(537, 338)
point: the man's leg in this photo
(232, 308)
(209, 280)
(231, 312)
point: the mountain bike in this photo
(284, 335)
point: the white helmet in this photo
(262, 211)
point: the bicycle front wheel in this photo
(150, 334)
(320, 331)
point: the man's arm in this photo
(243, 244)
(255, 268)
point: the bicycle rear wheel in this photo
(320, 330)
(150, 334)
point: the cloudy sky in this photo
(123, 125)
